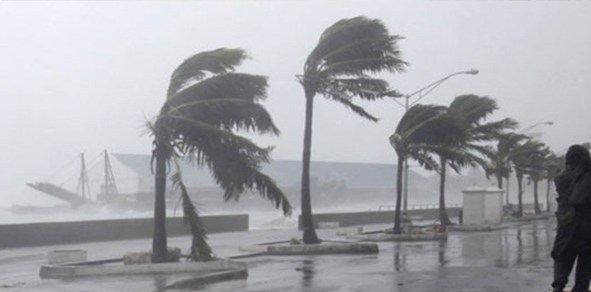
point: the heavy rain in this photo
(287, 145)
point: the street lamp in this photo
(549, 123)
(421, 93)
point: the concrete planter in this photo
(431, 236)
(471, 228)
(60, 257)
(285, 248)
(200, 268)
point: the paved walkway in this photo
(512, 259)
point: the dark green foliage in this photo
(206, 104)
(338, 68)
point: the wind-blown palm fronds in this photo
(338, 68)
(206, 104)
(200, 249)
(527, 159)
(469, 151)
(422, 131)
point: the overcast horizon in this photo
(87, 76)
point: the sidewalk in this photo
(512, 259)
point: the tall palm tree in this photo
(338, 69)
(423, 130)
(472, 110)
(526, 159)
(206, 103)
(537, 173)
(500, 160)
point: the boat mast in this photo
(83, 187)
(110, 184)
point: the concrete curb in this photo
(470, 228)
(400, 237)
(476, 228)
(81, 270)
(326, 247)
(528, 218)
(197, 280)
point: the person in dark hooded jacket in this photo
(573, 216)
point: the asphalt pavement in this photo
(515, 258)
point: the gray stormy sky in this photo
(86, 76)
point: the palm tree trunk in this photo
(159, 245)
(536, 201)
(309, 233)
(519, 195)
(499, 177)
(443, 217)
(548, 195)
(399, 171)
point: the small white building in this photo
(482, 206)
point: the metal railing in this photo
(419, 206)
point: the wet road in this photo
(511, 259)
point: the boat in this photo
(109, 195)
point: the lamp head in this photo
(472, 72)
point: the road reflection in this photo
(521, 244)
(400, 256)
(308, 270)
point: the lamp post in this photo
(549, 123)
(421, 93)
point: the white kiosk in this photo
(482, 206)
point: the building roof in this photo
(285, 172)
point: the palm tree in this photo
(537, 173)
(206, 103)
(500, 160)
(472, 110)
(526, 159)
(423, 130)
(337, 68)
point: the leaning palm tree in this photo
(500, 162)
(338, 68)
(527, 159)
(206, 103)
(473, 110)
(537, 173)
(422, 131)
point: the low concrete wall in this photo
(38, 234)
(376, 217)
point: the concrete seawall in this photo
(376, 217)
(38, 234)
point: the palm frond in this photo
(200, 249)
(229, 85)
(351, 40)
(362, 66)
(344, 99)
(236, 172)
(472, 108)
(196, 67)
(430, 124)
(424, 158)
(362, 87)
(492, 130)
(227, 114)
